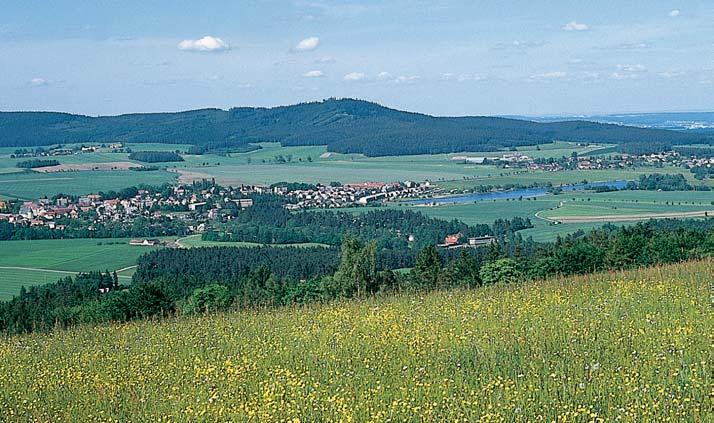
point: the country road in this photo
(630, 217)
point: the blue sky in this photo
(534, 57)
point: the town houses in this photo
(188, 203)
(352, 195)
(590, 161)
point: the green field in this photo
(624, 203)
(607, 208)
(259, 167)
(307, 164)
(36, 262)
(621, 346)
(586, 204)
(32, 185)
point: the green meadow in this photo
(33, 185)
(619, 346)
(26, 263)
(569, 204)
(314, 164)
(274, 163)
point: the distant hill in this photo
(344, 125)
(689, 121)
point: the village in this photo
(186, 203)
(586, 162)
(193, 206)
(58, 151)
(354, 195)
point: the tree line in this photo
(269, 222)
(156, 156)
(202, 280)
(33, 163)
(664, 182)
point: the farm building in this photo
(481, 240)
(145, 242)
(452, 241)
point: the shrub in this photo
(210, 298)
(500, 271)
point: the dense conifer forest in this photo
(33, 163)
(203, 280)
(156, 156)
(346, 126)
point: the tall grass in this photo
(633, 346)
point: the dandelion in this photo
(529, 355)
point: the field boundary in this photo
(35, 269)
(63, 272)
(630, 217)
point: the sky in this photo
(509, 57)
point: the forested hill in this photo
(344, 125)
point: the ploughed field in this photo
(631, 346)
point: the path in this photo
(66, 272)
(63, 272)
(178, 241)
(631, 217)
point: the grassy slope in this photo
(631, 346)
(67, 256)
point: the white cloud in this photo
(632, 68)
(550, 75)
(675, 13)
(404, 79)
(576, 26)
(38, 82)
(308, 44)
(631, 46)
(671, 74)
(623, 75)
(472, 77)
(313, 74)
(325, 60)
(205, 44)
(401, 79)
(628, 71)
(462, 77)
(355, 76)
(384, 76)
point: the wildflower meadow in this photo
(630, 346)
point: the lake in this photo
(517, 193)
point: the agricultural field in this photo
(629, 346)
(274, 163)
(36, 262)
(541, 209)
(19, 183)
(33, 185)
(630, 206)
(314, 164)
